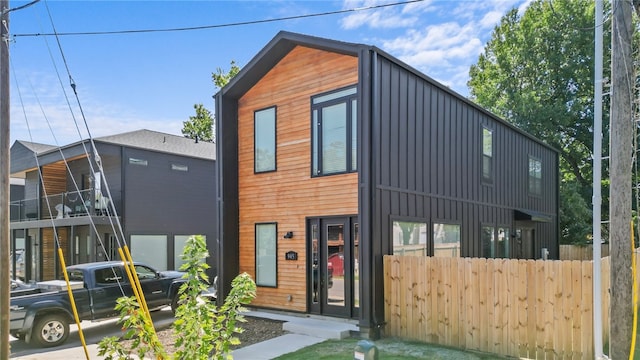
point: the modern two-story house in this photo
(333, 154)
(153, 191)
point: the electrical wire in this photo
(217, 26)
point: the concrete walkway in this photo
(303, 331)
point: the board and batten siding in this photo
(428, 163)
(289, 195)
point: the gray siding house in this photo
(160, 187)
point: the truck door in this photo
(110, 284)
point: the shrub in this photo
(206, 332)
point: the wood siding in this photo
(289, 195)
(50, 265)
(54, 178)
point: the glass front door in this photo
(333, 273)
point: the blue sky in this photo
(152, 80)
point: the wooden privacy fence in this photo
(523, 308)
(575, 252)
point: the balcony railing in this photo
(58, 206)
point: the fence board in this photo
(587, 313)
(523, 306)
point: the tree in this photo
(221, 78)
(200, 126)
(537, 72)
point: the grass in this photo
(387, 349)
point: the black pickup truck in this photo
(42, 315)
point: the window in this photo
(535, 176)
(150, 249)
(487, 154)
(409, 238)
(109, 275)
(179, 167)
(334, 116)
(488, 243)
(446, 240)
(503, 243)
(264, 129)
(141, 162)
(495, 244)
(266, 255)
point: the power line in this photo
(204, 27)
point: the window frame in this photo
(488, 177)
(534, 183)
(350, 99)
(274, 166)
(274, 279)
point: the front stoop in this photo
(320, 328)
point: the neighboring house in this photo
(161, 187)
(326, 147)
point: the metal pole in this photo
(597, 190)
(4, 179)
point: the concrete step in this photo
(319, 328)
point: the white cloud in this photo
(383, 18)
(46, 117)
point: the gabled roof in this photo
(277, 49)
(23, 153)
(161, 142)
(34, 147)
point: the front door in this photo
(525, 242)
(333, 276)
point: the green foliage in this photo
(200, 126)
(206, 332)
(537, 72)
(575, 215)
(221, 78)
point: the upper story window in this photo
(136, 161)
(487, 154)
(535, 176)
(334, 132)
(264, 130)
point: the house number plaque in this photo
(291, 255)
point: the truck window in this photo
(109, 276)
(145, 272)
(76, 275)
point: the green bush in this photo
(206, 332)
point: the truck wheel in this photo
(50, 330)
(174, 303)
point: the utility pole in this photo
(4, 179)
(622, 132)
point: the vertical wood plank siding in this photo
(288, 195)
(429, 163)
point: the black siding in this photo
(164, 201)
(228, 237)
(426, 164)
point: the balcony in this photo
(61, 206)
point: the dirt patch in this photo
(255, 330)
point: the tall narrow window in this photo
(535, 176)
(487, 154)
(488, 242)
(334, 117)
(264, 127)
(266, 255)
